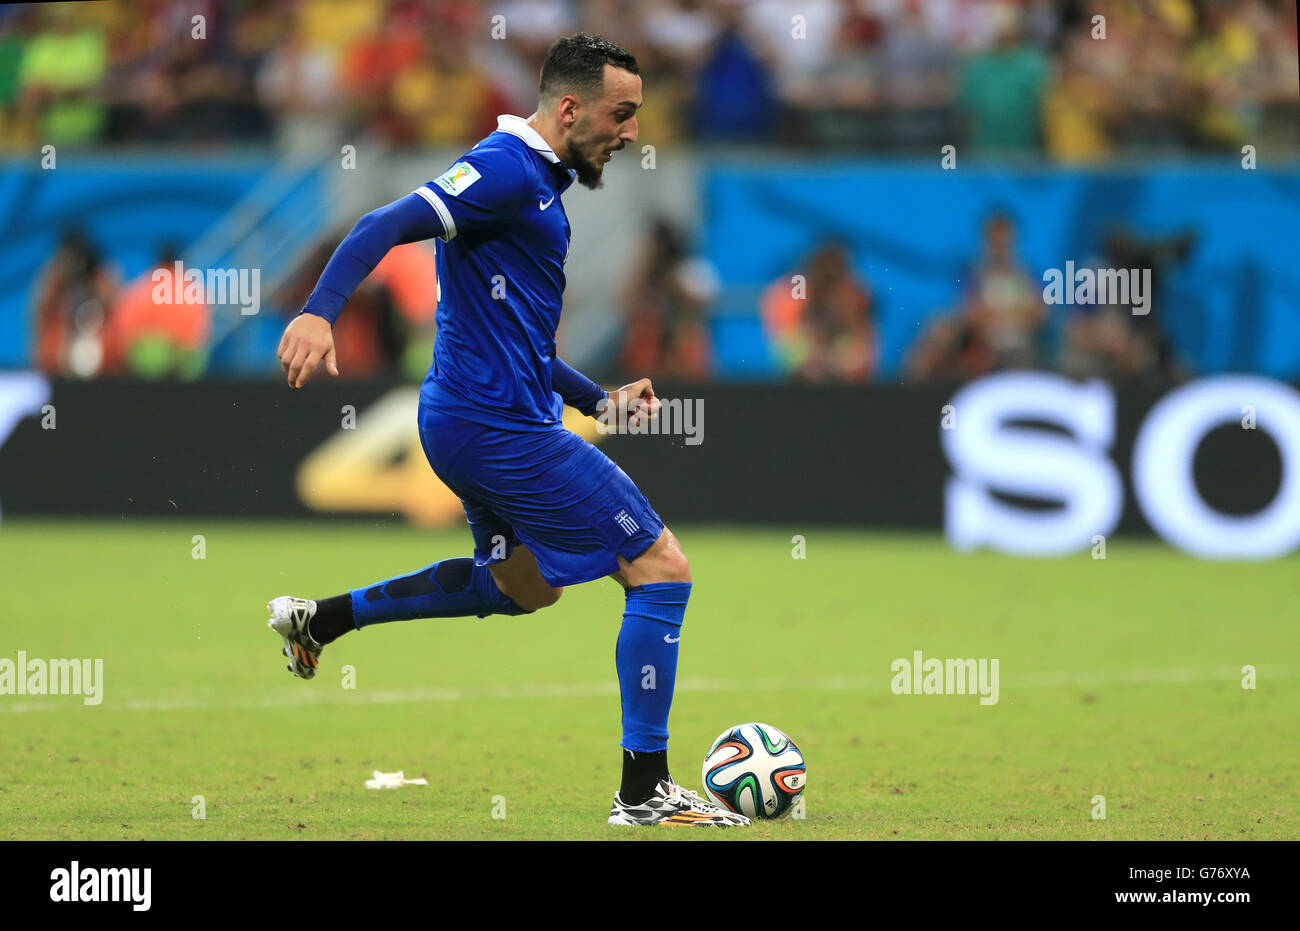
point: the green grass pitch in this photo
(1120, 678)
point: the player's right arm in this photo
(308, 340)
(484, 188)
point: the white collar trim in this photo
(518, 126)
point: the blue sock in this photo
(451, 588)
(646, 659)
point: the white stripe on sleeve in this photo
(448, 224)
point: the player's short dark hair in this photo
(576, 65)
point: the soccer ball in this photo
(754, 769)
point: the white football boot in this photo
(290, 618)
(672, 805)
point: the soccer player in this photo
(545, 507)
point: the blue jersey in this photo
(500, 280)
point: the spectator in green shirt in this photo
(58, 79)
(1002, 92)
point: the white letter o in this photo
(1165, 483)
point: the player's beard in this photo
(590, 173)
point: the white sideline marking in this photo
(610, 688)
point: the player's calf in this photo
(657, 591)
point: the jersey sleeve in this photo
(402, 221)
(482, 189)
(577, 390)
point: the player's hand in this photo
(635, 404)
(308, 341)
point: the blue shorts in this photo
(548, 488)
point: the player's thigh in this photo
(449, 445)
(513, 566)
(573, 507)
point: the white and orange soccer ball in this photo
(754, 769)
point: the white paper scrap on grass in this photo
(393, 780)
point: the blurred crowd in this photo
(1068, 80)
(817, 317)
(89, 322)
(879, 75)
(1000, 320)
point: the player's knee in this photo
(673, 565)
(663, 562)
(551, 596)
(678, 568)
